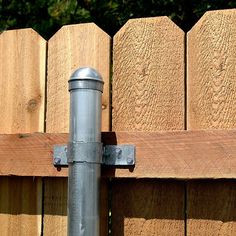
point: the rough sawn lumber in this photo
(172, 154)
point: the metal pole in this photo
(84, 152)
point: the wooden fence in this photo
(162, 80)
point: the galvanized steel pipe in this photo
(84, 152)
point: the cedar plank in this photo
(172, 154)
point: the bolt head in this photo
(57, 161)
(118, 152)
(130, 161)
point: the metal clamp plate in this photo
(119, 155)
(113, 155)
(60, 155)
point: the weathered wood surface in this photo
(75, 46)
(22, 98)
(148, 76)
(211, 82)
(72, 47)
(211, 71)
(147, 95)
(22, 81)
(177, 154)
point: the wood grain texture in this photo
(22, 81)
(148, 76)
(140, 207)
(55, 206)
(72, 47)
(147, 95)
(22, 98)
(211, 208)
(20, 206)
(29, 154)
(178, 154)
(211, 72)
(211, 105)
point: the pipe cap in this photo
(86, 78)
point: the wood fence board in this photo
(72, 47)
(211, 208)
(20, 206)
(22, 98)
(172, 154)
(22, 81)
(212, 72)
(147, 95)
(148, 76)
(211, 105)
(179, 154)
(147, 207)
(55, 206)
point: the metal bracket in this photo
(113, 155)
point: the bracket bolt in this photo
(129, 160)
(57, 160)
(118, 153)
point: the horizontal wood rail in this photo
(175, 154)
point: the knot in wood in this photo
(32, 105)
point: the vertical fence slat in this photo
(147, 207)
(72, 47)
(148, 95)
(211, 208)
(20, 206)
(55, 206)
(22, 81)
(22, 92)
(211, 80)
(148, 79)
(211, 71)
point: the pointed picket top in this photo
(82, 26)
(148, 75)
(29, 31)
(139, 22)
(210, 17)
(211, 74)
(72, 47)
